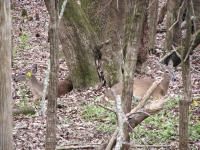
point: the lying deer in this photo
(141, 86)
(64, 87)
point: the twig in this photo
(177, 17)
(112, 140)
(168, 54)
(77, 147)
(193, 69)
(150, 146)
(107, 108)
(137, 136)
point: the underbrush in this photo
(159, 129)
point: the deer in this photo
(28, 75)
(140, 86)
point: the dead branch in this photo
(112, 140)
(152, 108)
(150, 146)
(136, 118)
(24, 110)
(121, 119)
(177, 17)
(167, 55)
(78, 147)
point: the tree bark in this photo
(173, 24)
(152, 16)
(50, 143)
(196, 14)
(6, 138)
(135, 15)
(111, 60)
(80, 43)
(186, 77)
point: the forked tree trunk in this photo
(80, 46)
(50, 143)
(6, 142)
(113, 39)
(186, 77)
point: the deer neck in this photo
(165, 85)
(35, 85)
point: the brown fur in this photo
(64, 87)
(141, 86)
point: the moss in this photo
(24, 12)
(86, 76)
(12, 6)
(74, 14)
(91, 9)
(14, 17)
(85, 3)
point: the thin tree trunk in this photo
(6, 142)
(50, 143)
(136, 12)
(186, 77)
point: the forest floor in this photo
(81, 120)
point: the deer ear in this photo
(170, 63)
(34, 68)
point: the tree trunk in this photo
(80, 46)
(173, 29)
(6, 142)
(186, 77)
(111, 60)
(196, 14)
(50, 143)
(135, 15)
(152, 16)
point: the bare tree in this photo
(135, 15)
(51, 122)
(5, 77)
(186, 77)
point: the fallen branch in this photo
(112, 140)
(150, 146)
(78, 147)
(24, 110)
(136, 118)
(150, 109)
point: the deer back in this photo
(141, 86)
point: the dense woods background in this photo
(102, 43)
